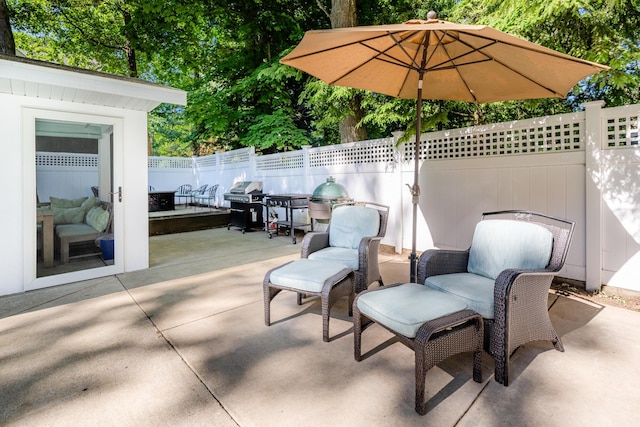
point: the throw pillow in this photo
(68, 215)
(98, 219)
(57, 202)
(89, 203)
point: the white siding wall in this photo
(18, 220)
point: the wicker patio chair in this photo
(512, 301)
(359, 253)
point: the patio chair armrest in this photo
(368, 255)
(434, 262)
(313, 242)
(523, 295)
(507, 280)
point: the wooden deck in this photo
(187, 219)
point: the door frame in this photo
(29, 116)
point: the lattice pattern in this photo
(206, 161)
(506, 139)
(374, 151)
(170, 162)
(67, 160)
(293, 160)
(621, 131)
(235, 156)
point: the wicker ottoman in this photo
(328, 280)
(433, 324)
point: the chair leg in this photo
(421, 373)
(502, 368)
(477, 364)
(64, 250)
(557, 343)
(357, 334)
(326, 310)
(269, 294)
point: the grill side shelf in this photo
(288, 202)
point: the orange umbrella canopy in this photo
(436, 59)
(473, 63)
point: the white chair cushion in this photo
(349, 257)
(349, 224)
(474, 290)
(406, 307)
(306, 274)
(501, 244)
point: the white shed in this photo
(46, 109)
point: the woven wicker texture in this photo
(335, 287)
(367, 271)
(435, 341)
(520, 297)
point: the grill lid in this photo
(246, 187)
(329, 190)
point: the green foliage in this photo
(275, 132)
(603, 31)
(169, 133)
(225, 54)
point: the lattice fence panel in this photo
(621, 131)
(373, 151)
(206, 161)
(170, 163)
(235, 156)
(67, 160)
(280, 161)
(531, 140)
(552, 134)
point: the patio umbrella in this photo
(436, 59)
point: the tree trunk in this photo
(343, 14)
(7, 44)
(349, 129)
(128, 50)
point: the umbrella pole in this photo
(415, 189)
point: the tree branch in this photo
(84, 34)
(324, 9)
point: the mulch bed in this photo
(609, 298)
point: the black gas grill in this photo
(246, 205)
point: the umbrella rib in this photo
(336, 47)
(455, 67)
(491, 58)
(381, 56)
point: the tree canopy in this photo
(226, 54)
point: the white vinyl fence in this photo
(583, 166)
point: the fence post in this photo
(305, 167)
(593, 195)
(252, 164)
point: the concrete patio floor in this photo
(184, 343)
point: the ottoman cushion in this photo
(406, 307)
(307, 274)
